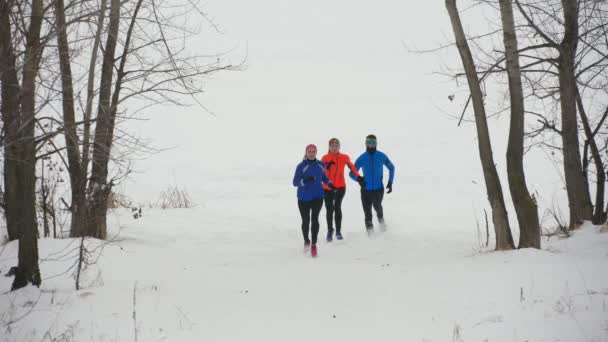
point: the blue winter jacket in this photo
(314, 189)
(372, 164)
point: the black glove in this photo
(309, 179)
(361, 181)
(389, 186)
(330, 164)
(331, 186)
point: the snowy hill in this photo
(205, 275)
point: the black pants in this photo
(371, 199)
(308, 209)
(333, 205)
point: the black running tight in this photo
(310, 212)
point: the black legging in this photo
(371, 199)
(333, 204)
(306, 208)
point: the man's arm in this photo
(391, 169)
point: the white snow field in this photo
(216, 274)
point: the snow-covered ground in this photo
(214, 273)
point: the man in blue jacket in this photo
(373, 161)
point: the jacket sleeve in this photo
(297, 177)
(325, 160)
(391, 169)
(357, 167)
(324, 177)
(352, 168)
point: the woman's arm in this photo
(352, 168)
(357, 166)
(297, 177)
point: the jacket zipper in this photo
(371, 162)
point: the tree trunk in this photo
(504, 239)
(525, 208)
(586, 162)
(579, 200)
(80, 226)
(10, 195)
(11, 118)
(44, 193)
(28, 270)
(99, 189)
(118, 84)
(103, 142)
(598, 215)
(77, 174)
(86, 135)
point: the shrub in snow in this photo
(116, 200)
(174, 197)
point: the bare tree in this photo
(578, 193)
(11, 119)
(19, 118)
(147, 68)
(75, 167)
(579, 200)
(99, 189)
(599, 215)
(525, 207)
(504, 239)
(547, 54)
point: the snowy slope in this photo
(212, 274)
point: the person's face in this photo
(311, 153)
(334, 147)
(370, 143)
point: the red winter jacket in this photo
(334, 169)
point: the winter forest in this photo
(180, 170)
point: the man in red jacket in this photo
(334, 169)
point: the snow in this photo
(220, 275)
(3, 232)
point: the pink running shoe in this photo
(313, 250)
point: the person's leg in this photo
(339, 196)
(329, 213)
(305, 214)
(316, 209)
(366, 200)
(377, 204)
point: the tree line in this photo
(554, 56)
(70, 72)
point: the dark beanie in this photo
(371, 136)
